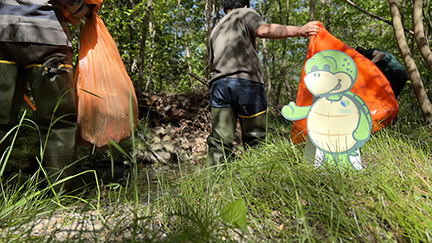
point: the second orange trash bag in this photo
(103, 87)
(371, 85)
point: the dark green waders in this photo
(253, 129)
(223, 131)
(53, 93)
(222, 136)
(11, 97)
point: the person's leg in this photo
(253, 129)
(224, 122)
(11, 99)
(52, 89)
(222, 136)
(397, 79)
(11, 94)
(251, 107)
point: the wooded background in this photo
(163, 43)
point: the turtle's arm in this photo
(294, 112)
(362, 132)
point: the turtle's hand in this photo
(288, 110)
(294, 112)
(362, 133)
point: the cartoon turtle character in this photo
(338, 122)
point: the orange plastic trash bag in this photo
(104, 90)
(96, 5)
(371, 85)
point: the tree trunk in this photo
(403, 12)
(186, 45)
(413, 73)
(212, 17)
(149, 82)
(267, 69)
(312, 4)
(218, 4)
(206, 38)
(284, 51)
(326, 18)
(142, 46)
(428, 18)
(132, 38)
(420, 37)
(266, 66)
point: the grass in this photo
(265, 194)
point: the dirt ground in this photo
(172, 128)
(178, 124)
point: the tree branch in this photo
(413, 73)
(374, 15)
(201, 80)
(157, 156)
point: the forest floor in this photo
(289, 199)
(177, 126)
(171, 136)
(172, 130)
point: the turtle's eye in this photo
(326, 67)
(314, 68)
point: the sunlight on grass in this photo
(286, 199)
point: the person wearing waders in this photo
(392, 69)
(237, 84)
(35, 49)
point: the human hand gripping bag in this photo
(371, 85)
(104, 90)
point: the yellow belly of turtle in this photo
(330, 126)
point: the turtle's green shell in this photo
(331, 124)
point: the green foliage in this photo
(179, 27)
(234, 213)
(165, 61)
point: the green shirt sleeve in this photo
(253, 20)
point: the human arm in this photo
(277, 31)
(377, 56)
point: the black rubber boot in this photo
(222, 136)
(55, 114)
(253, 130)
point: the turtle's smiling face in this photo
(329, 72)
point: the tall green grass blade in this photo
(6, 154)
